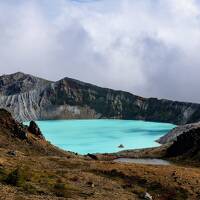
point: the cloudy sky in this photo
(147, 47)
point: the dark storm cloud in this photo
(147, 47)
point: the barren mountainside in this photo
(31, 98)
(33, 169)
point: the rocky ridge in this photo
(19, 83)
(186, 146)
(179, 130)
(15, 136)
(31, 98)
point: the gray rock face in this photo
(32, 98)
(19, 83)
(147, 196)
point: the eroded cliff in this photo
(32, 98)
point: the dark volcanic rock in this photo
(35, 130)
(7, 122)
(94, 157)
(186, 146)
(179, 130)
(31, 98)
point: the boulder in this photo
(12, 153)
(147, 196)
(94, 157)
(121, 146)
(7, 122)
(35, 130)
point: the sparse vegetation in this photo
(2, 174)
(40, 171)
(63, 189)
(16, 178)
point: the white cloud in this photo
(148, 47)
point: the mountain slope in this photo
(15, 136)
(179, 130)
(69, 98)
(186, 146)
(19, 83)
(31, 168)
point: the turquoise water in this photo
(102, 136)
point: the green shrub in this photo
(59, 186)
(16, 178)
(30, 189)
(2, 174)
(60, 190)
(64, 190)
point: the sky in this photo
(146, 47)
